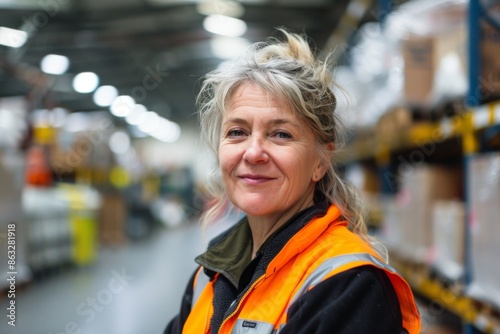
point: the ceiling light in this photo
(224, 25)
(12, 37)
(105, 95)
(228, 47)
(136, 115)
(167, 131)
(54, 64)
(150, 122)
(122, 106)
(226, 7)
(85, 82)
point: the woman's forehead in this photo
(251, 94)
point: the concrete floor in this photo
(133, 289)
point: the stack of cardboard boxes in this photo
(408, 224)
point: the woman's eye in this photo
(282, 135)
(235, 133)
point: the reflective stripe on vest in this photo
(199, 284)
(334, 263)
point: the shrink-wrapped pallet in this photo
(448, 222)
(484, 194)
(392, 229)
(409, 216)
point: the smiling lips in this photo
(255, 178)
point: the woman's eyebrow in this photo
(280, 121)
(236, 120)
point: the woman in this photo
(301, 260)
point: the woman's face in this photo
(268, 158)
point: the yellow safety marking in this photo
(491, 113)
(470, 144)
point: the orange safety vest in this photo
(321, 249)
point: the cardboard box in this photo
(489, 80)
(422, 55)
(112, 216)
(418, 55)
(393, 125)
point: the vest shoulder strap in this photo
(200, 281)
(335, 264)
(340, 263)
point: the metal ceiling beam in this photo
(348, 23)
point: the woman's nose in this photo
(255, 152)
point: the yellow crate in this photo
(84, 228)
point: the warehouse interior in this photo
(98, 123)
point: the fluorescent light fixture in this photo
(122, 106)
(85, 82)
(137, 115)
(105, 95)
(12, 37)
(54, 64)
(224, 25)
(150, 122)
(222, 7)
(228, 47)
(167, 131)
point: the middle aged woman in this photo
(301, 260)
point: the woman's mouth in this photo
(255, 178)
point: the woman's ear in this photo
(323, 165)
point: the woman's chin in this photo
(256, 208)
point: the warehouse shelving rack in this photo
(466, 127)
(465, 130)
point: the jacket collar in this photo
(230, 253)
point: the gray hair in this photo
(289, 71)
